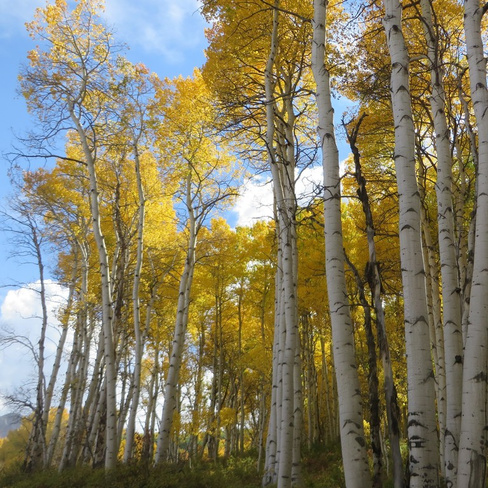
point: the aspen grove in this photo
(355, 315)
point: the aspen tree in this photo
(355, 461)
(66, 85)
(30, 237)
(450, 286)
(203, 169)
(176, 354)
(472, 448)
(422, 429)
(283, 443)
(133, 95)
(375, 283)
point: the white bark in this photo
(60, 348)
(269, 476)
(54, 375)
(107, 315)
(472, 455)
(436, 331)
(354, 455)
(138, 333)
(35, 457)
(465, 242)
(453, 345)
(77, 368)
(271, 464)
(283, 446)
(172, 378)
(283, 172)
(422, 427)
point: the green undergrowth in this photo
(322, 468)
(239, 473)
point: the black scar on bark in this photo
(360, 441)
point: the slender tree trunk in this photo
(198, 401)
(472, 450)
(282, 165)
(88, 420)
(273, 443)
(466, 243)
(35, 457)
(148, 441)
(374, 278)
(373, 382)
(354, 455)
(172, 378)
(330, 422)
(272, 440)
(450, 286)
(242, 412)
(138, 333)
(55, 371)
(422, 427)
(435, 325)
(110, 371)
(76, 373)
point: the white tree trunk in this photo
(453, 345)
(172, 378)
(270, 463)
(436, 330)
(107, 315)
(283, 446)
(422, 427)
(57, 363)
(78, 358)
(138, 333)
(472, 450)
(354, 453)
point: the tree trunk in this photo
(450, 286)
(35, 458)
(422, 427)
(110, 371)
(354, 454)
(472, 455)
(374, 278)
(172, 378)
(138, 333)
(373, 383)
(435, 325)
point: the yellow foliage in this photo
(228, 416)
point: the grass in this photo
(240, 473)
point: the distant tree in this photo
(202, 170)
(68, 87)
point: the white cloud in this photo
(172, 30)
(20, 316)
(309, 184)
(159, 26)
(255, 201)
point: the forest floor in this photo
(322, 469)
